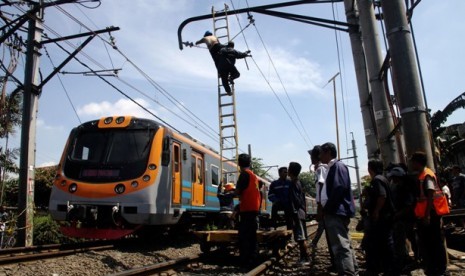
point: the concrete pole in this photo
(362, 78)
(28, 133)
(374, 60)
(406, 82)
(333, 79)
(357, 172)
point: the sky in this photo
(304, 56)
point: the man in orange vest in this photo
(429, 226)
(249, 204)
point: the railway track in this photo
(25, 254)
(186, 261)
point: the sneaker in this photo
(304, 262)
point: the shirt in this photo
(297, 199)
(324, 195)
(279, 191)
(320, 173)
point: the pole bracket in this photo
(412, 109)
(400, 29)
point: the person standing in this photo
(458, 187)
(320, 175)
(429, 224)
(226, 198)
(297, 202)
(338, 208)
(279, 196)
(403, 198)
(379, 244)
(247, 188)
(321, 170)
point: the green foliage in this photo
(47, 231)
(307, 179)
(259, 168)
(10, 192)
(365, 181)
(43, 184)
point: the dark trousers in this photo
(248, 237)
(432, 246)
(379, 247)
(226, 221)
(278, 206)
(227, 72)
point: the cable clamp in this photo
(412, 109)
(400, 29)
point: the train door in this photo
(176, 171)
(198, 180)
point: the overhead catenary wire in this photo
(63, 86)
(340, 79)
(158, 87)
(287, 95)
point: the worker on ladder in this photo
(226, 65)
(213, 45)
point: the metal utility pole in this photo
(357, 172)
(333, 79)
(406, 82)
(28, 129)
(362, 78)
(374, 61)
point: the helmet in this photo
(229, 187)
(208, 33)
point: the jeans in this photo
(337, 228)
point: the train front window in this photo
(104, 155)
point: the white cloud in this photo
(47, 164)
(120, 107)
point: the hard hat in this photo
(229, 187)
(207, 33)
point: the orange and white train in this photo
(120, 174)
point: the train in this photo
(121, 174)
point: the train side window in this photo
(193, 170)
(176, 158)
(215, 175)
(199, 170)
(165, 155)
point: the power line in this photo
(285, 90)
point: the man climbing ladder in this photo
(224, 57)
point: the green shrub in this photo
(47, 231)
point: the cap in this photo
(396, 171)
(207, 33)
(229, 187)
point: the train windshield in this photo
(109, 155)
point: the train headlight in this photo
(72, 188)
(119, 120)
(146, 178)
(152, 167)
(134, 184)
(120, 188)
(108, 120)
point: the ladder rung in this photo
(221, 36)
(230, 172)
(224, 94)
(226, 104)
(227, 137)
(226, 126)
(227, 115)
(233, 148)
(220, 18)
(219, 28)
(229, 160)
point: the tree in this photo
(43, 184)
(258, 168)
(307, 179)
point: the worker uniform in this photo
(249, 197)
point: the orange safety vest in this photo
(250, 197)
(439, 201)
